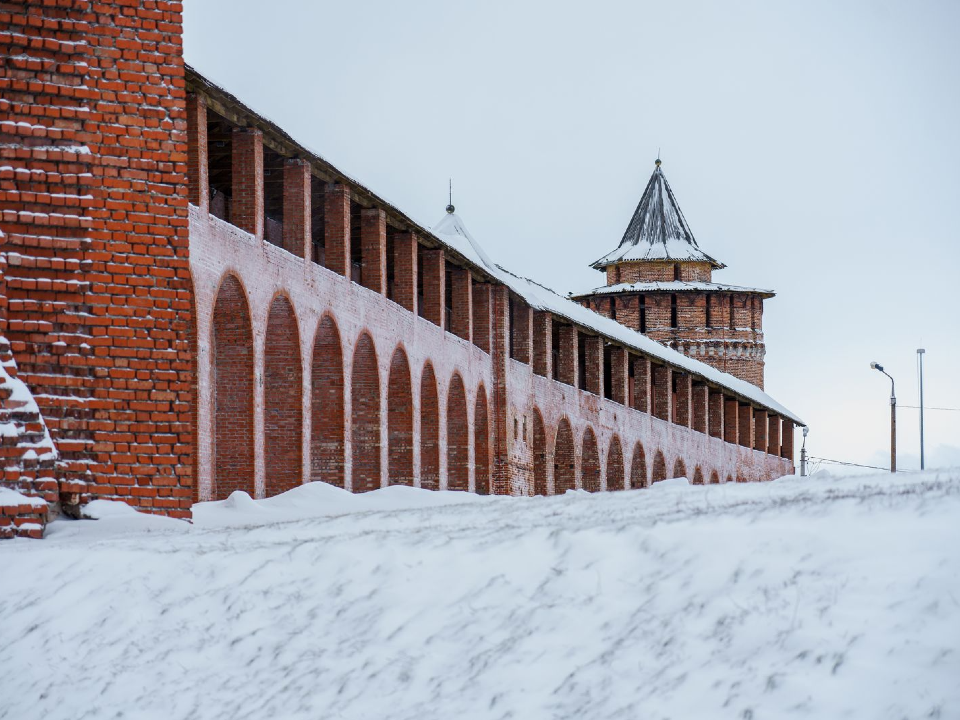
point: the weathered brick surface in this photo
(94, 205)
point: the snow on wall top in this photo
(540, 297)
(673, 286)
(657, 230)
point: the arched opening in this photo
(429, 430)
(615, 465)
(590, 463)
(399, 421)
(282, 400)
(564, 460)
(365, 416)
(232, 391)
(659, 468)
(481, 443)
(697, 476)
(326, 405)
(679, 469)
(714, 478)
(539, 455)
(458, 450)
(729, 478)
(638, 468)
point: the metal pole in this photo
(893, 430)
(920, 353)
(803, 453)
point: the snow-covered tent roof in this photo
(657, 230)
(451, 231)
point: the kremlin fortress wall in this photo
(192, 303)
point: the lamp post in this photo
(803, 453)
(893, 418)
(920, 352)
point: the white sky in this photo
(814, 149)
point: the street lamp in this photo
(803, 453)
(920, 352)
(893, 418)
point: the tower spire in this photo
(450, 207)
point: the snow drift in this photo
(793, 598)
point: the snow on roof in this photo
(657, 230)
(452, 231)
(673, 286)
(541, 297)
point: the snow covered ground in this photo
(808, 599)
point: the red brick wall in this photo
(326, 392)
(365, 416)
(95, 107)
(400, 421)
(458, 433)
(429, 430)
(481, 443)
(638, 468)
(615, 465)
(232, 353)
(564, 459)
(283, 384)
(590, 462)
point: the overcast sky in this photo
(814, 148)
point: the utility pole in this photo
(920, 352)
(893, 418)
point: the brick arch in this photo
(365, 416)
(714, 478)
(679, 469)
(659, 468)
(481, 443)
(697, 476)
(429, 430)
(458, 436)
(638, 468)
(326, 402)
(590, 462)
(399, 421)
(232, 391)
(282, 399)
(539, 455)
(615, 465)
(564, 459)
(729, 478)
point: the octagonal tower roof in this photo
(657, 231)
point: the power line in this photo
(927, 407)
(851, 464)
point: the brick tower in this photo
(660, 282)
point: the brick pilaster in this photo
(618, 374)
(462, 302)
(684, 391)
(481, 315)
(773, 434)
(434, 286)
(786, 440)
(500, 309)
(373, 247)
(542, 345)
(716, 423)
(642, 383)
(336, 215)
(198, 168)
(593, 359)
(745, 422)
(700, 401)
(760, 430)
(520, 329)
(662, 391)
(731, 421)
(246, 209)
(296, 208)
(568, 369)
(405, 270)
